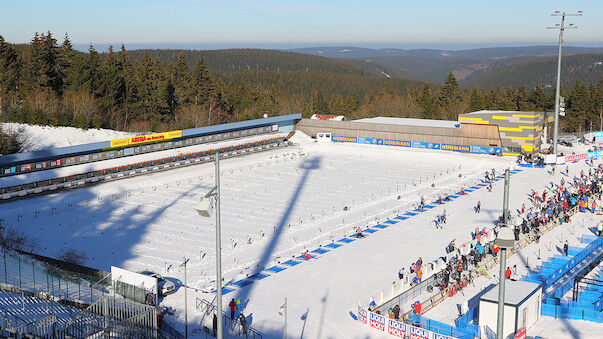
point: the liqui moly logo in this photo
(396, 328)
(441, 336)
(362, 315)
(418, 333)
(377, 321)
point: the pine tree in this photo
(477, 101)
(184, 88)
(9, 74)
(450, 98)
(202, 83)
(110, 90)
(319, 104)
(428, 103)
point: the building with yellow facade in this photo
(519, 131)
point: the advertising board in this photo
(396, 328)
(486, 150)
(377, 321)
(456, 148)
(370, 141)
(402, 143)
(140, 139)
(576, 157)
(341, 138)
(426, 145)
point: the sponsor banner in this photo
(486, 150)
(576, 157)
(341, 138)
(418, 333)
(377, 321)
(396, 328)
(370, 141)
(362, 314)
(146, 138)
(521, 334)
(595, 154)
(441, 336)
(456, 148)
(428, 145)
(388, 142)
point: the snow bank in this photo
(301, 138)
(35, 137)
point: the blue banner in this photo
(486, 150)
(595, 154)
(370, 141)
(428, 145)
(456, 148)
(340, 138)
(402, 143)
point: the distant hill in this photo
(235, 60)
(478, 54)
(483, 67)
(295, 73)
(530, 72)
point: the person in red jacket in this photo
(508, 273)
(233, 308)
(418, 307)
(495, 249)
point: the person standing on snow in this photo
(233, 308)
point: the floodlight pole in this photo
(557, 89)
(503, 264)
(185, 302)
(218, 251)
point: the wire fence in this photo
(34, 276)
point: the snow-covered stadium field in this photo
(275, 205)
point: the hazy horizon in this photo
(209, 24)
(102, 47)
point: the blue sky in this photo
(286, 24)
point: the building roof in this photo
(412, 122)
(516, 292)
(328, 117)
(484, 111)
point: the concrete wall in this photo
(467, 134)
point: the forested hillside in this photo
(532, 72)
(45, 82)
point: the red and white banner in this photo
(521, 334)
(576, 157)
(396, 328)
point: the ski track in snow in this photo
(148, 222)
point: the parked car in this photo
(164, 286)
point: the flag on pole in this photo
(281, 311)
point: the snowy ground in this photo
(283, 201)
(35, 137)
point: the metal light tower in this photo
(561, 27)
(205, 209)
(504, 240)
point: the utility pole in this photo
(218, 250)
(561, 27)
(504, 241)
(185, 299)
